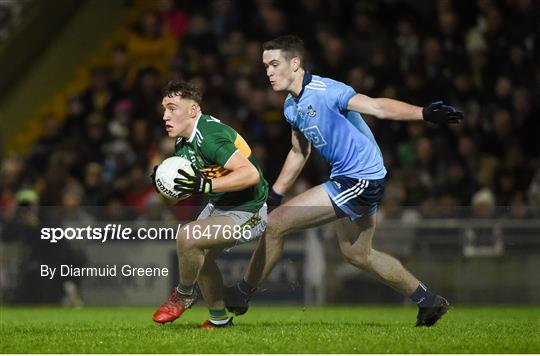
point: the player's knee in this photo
(273, 232)
(183, 242)
(277, 224)
(357, 258)
(362, 261)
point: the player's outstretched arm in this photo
(294, 163)
(384, 108)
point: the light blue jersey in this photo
(341, 136)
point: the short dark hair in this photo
(291, 46)
(186, 90)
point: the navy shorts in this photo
(354, 197)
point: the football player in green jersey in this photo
(225, 170)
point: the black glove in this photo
(153, 177)
(274, 199)
(440, 113)
(194, 184)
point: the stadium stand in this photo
(97, 145)
(469, 54)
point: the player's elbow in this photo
(253, 176)
(303, 155)
(302, 151)
(386, 109)
(256, 179)
(306, 151)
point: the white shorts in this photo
(252, 225)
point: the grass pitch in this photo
(270, 330)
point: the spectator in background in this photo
(525, 114)
(50, 185)
(71, 211)
(434, 65)
(140, 141)
(457, 183)
(116, 210)
(21, 228)
(95, 190)
(332, 59)
(533, 193)
(449, 35)
(249, 67)
(120, 159)
(213, 74)
(518, 66)
(102, 94)
(120, 64)
(224, 18)
(119, 126)
(501, 132)
(518, 207)
(138, 188)
(392, 206)
(480, 166)
(146, 93)
(462, 90)
(483, 204)
(10, 11)
(148, 45)
(175, 20)
(154, 211)
(366, 35)
(92, 139)
(45, 146)
(76, 116)
(11, 180)
(408, 43)
(199, 38)
(272, 20)
(232, 49)
(424, 172)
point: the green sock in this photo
(185, 289)
(219, 316)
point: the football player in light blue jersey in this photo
(325, 114)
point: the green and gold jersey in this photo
(209, 148)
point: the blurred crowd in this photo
(481, 56)
(10, 16)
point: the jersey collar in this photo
(190, 139)
(307, 79)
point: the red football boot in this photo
(209, 325)
(175, 306)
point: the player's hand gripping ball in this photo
(165, 175)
